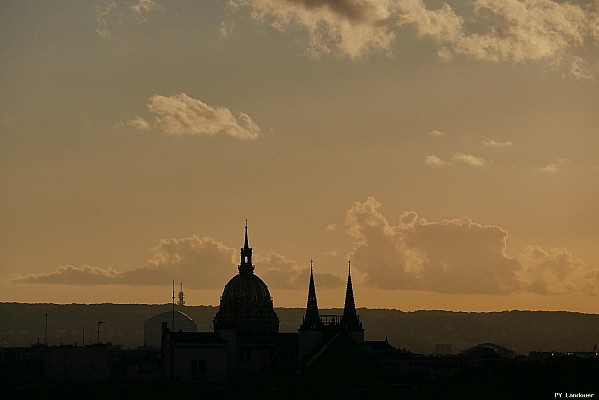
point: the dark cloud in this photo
(357, 11)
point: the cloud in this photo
(101, 15)
(580, 69)
(455, 256)
(496, 30)
(74, 275)
(555, 271)
(494, 144)
(181, 114)
(138, 122)
(225, 29)
(574, 66)
(519, 31)
(352, 27)
(435, 161)
(143, 8)
(199, 262)
(281, 273)
(468, 159)
(554, 167)
(436, 133)
(442, 25)
(331, 228)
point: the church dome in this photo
(246, 305)
(153, 326)
(246, 288)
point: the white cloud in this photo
(555, 271)
(74, 275)
(331, 228)
(225, 29)
(436, 133)
(199, 262)
(279, 272)
(574, 66)
(580, 69)
(468, 159)
(181, 114)
(143, 8)
(526, 30)
(498, 30)
(493, 143)
(456, 256)
(554, 167)
(442, 25)
(101, 15)
(138, 122)
(435, 161)
(352, 27)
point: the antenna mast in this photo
(46, 329)
(173, 325)
(100, 323)
(181, 299)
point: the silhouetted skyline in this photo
(447, 150)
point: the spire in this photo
(312, 318)
(350, 318)
(245, 266)
(245, 245)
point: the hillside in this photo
(419, 331)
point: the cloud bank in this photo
(456, 256)
(446, 256)
(199, 262)
(488, 30)
(181, 114)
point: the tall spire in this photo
(350, 317)
(245, 244)
(312, 318)
(245, 266)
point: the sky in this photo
(450, 150)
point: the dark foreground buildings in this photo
(329, 352)
(246, 343)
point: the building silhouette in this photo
(246, 305)
(327, 351)
(153, 326)
(246, 342)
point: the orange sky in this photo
(448, 149)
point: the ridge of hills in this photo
(23, 324)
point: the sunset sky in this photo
(449, 149)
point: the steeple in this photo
(245, 266)
(245, 243)
(312, 318)
(350, 318)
